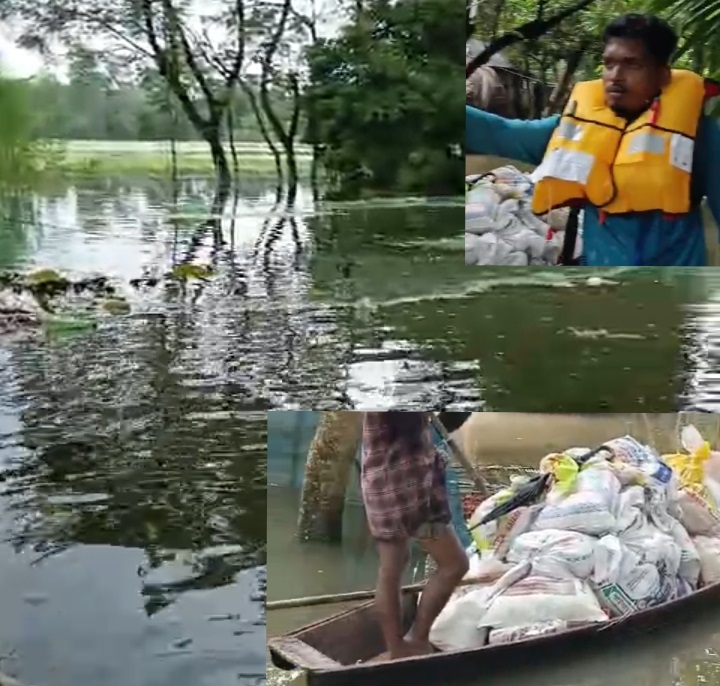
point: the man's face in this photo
(631, 77)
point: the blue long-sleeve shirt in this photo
(634, 239)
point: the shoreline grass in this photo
(152, 158)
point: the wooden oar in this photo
(459, 455)
(333, 598)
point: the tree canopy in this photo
(560, 53)
(386, 95)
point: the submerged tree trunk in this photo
(252, 99)
(292, 174)
(315, 173)
(285, 136)
(327, 471)
(213, 137)
(231, 139)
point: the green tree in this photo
(698, 22)
(162, 33)
(19, 156)
(386, 98)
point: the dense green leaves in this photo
(699, 24)
(544, 61)
(19, 155)
(387, 97)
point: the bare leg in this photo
(394, 557)
(452, 564)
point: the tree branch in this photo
(532, 30)
(177, 31)
(171, 76)
(234, 74)
(270, 50)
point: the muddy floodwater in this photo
(682, 655)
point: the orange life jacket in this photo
(596, 157)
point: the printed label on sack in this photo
(663, 473)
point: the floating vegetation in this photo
(47, 299)
(187, 271)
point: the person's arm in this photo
(707, 163)
(516, 139)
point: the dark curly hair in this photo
(658, 37)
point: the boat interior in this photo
(342, 640)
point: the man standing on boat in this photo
(403, 488)
(637, 149)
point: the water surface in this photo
(133, 506)
(132, 472)
(357, 304)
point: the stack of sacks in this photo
(623, 532)
(651, 558)
(555, 592)
(582, 500)
(626, 575)
(500, 228)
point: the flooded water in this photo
(685, 654)
(360, 304)
(132, 517)
(132, 472)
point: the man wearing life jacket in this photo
(637, 149)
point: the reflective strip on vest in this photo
(566, 165)
(681, 152)
(569, 130)
(646, 141)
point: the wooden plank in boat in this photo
(353, 636)
(303, 655)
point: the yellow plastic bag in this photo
(699, 509)
(564, 472)
(563, 468)
(690, 471)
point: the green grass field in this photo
(152, 158)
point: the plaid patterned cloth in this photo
(404, 493)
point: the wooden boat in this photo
(339, 650)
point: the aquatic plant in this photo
(47, 298)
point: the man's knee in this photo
(394, 556)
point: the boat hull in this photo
(329, 650)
